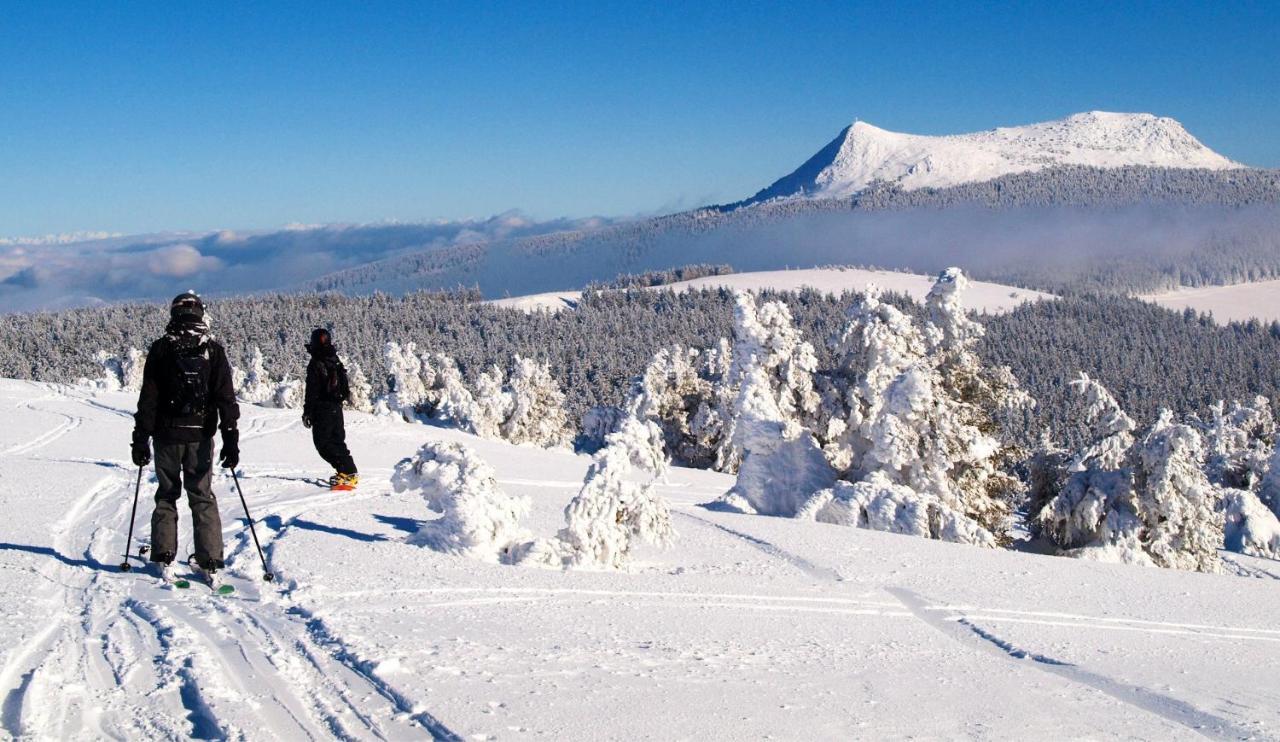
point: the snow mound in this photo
(864, 154)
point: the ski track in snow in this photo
(132, 659)
(955, 623)
(963, 630)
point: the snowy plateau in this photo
(745, 627)
(863, 154)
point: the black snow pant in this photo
(329, 433)
(189, 466)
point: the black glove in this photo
(141, 449)
(230, 456)
(306, 420)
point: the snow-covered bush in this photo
(782, 465)
(881, 505)
(537, 413)
(492, 406)
(612, 511)
(1239, 442)
(682, 391)
(361, 389)
(254, 386)
(289, 394)
(1249, 527)
(120, 372)
(406, 392)
(477, 519)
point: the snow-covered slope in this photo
(982, 296)
(748, 627)
(1236, 302)
(863, 154)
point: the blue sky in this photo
(149, 116)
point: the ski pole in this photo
(124, 566)
(266, 573)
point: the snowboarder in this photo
(327, 390)
(186, 395)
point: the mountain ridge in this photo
(864, 155)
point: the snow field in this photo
(748, 626)
(981, 295)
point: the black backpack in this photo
(189, 371)
(336, 386)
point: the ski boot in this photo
(211, 574)
(345, 482)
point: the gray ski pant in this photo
(188, 465)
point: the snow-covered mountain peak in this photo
(863, 154)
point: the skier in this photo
(186, 395)
(327, 389)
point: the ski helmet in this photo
(319, 339)
(187, 305)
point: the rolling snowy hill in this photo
(748, 626)
(863, 154)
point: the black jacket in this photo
(326, 383)
(154, 418)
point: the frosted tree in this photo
(406, 392)
(1095, 513)
(131, 370)
(493, 404)
(878, 344)
(613, 511)
(120, 372)
(1178, 507)
(288, 394)
(446, 396)
(679, 391)
(1269, 489)
(766, 340)
(477, 519)
(537, 414)
(921, 411)
(1239, 442)
(256, 386)
(782, 465)
(361, 389)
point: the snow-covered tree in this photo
(447, 396)
(255, 385)
(679, 390)
(1249, 527)
(289, 394)
(1096, 506)
(1144, 502)
(766, 341)
(361, 389)
(612, 511)
(537, 413)
(922, 410)
(1178, 507)
(782, 465)
(1239, 442)
(477, 519)
(406, 393)
(493, 404)
(120, 372)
